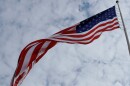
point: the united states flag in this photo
(84, 32)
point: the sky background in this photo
(104, 62)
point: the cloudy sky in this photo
(104, 62)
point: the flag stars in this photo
(80, 31)
(92, 21)
(83, 28)
(82, 22)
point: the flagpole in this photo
(127, 39)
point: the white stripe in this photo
(58, 34)
(43, 48)
(71, 29)
(86, 41)
(31, 45)
(89, 35)
(28, 57)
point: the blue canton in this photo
(89, 23)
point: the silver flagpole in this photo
(127, 39)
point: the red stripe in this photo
(35, 52)
(66, 30)
(112, 28)
(52, 44)
(18, 79)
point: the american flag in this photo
(84, 32)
